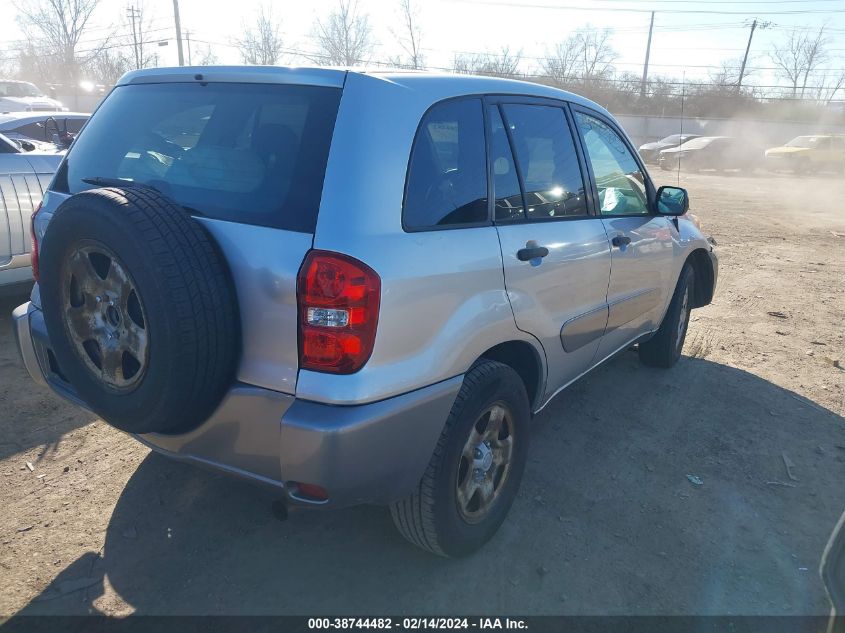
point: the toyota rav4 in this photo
(353, 287)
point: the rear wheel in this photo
(664, 348)
(475, 471)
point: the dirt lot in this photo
(606, 521)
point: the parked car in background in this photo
(227, 272)
(808, 153)
(26, 169)
(710, 152)
(40, 130)
(22, 96)
(650, 152)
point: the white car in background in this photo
(23, 96)
(25, 171)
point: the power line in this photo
(733, 2)
(317, 56)
(531, 5)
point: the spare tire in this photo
(140, 308)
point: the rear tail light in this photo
(310, 492)
(34, 243)
(338, 300)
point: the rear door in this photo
(542, 204)
(642, 242)
(247, 160)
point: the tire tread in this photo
(414, 515)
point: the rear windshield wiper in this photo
(116, 182)
(100, 181)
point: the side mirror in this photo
(672, 201)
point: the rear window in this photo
(250, 153)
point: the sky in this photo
(691, 37)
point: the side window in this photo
(547, 160)
(35, 131)
(447, 175)
(620, 182)
(508, 195)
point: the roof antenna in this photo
(681, 138)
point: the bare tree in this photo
(207, 57)
(815, 55)
(345, 37)
(727, 75)
(468, 63)
(502, 64)
(34, 63)
(262, 43)
(828, 89)
(60, 24)
(410, 38)
(596, 53)
(789, 59)
(799, 57)
(562, 62)
(587, 54)
(107, 66)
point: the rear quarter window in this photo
(249, 153)
(447, 174)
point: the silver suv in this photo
(353, 287)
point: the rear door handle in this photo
(621, 240)
(532, 252)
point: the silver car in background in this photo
(24, 177)
(353, 287)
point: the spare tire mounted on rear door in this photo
(140, 308)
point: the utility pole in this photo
(188, 42)
(754, 26)
(178, 32)
(647, 53)
(132, 13)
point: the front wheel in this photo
(475, 471)
(664, 348)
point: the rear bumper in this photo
(370, 453)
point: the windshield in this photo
(804, 141)
(251, 153)
(19, 89)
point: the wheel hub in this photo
(485, 463)
(104, 316)
(483, 459)
(112, 315)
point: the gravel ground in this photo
(607, 521)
